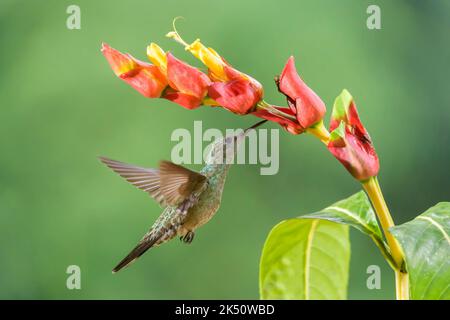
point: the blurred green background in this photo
(61, 107)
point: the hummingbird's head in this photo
(224, 149)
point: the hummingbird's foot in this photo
(188, 237)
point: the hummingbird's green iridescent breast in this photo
(209, 201)
(207, 205)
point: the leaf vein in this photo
(437, 225)
(353, 216)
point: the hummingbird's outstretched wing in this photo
(170, 185)
(146, 179)
(178, 183)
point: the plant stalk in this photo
(401, 285)
(373, 190)
(320, 132)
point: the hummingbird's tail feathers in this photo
(156, 236)
(138, 251)
(146, 179)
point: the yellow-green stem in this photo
(373, 190)
(372, 187)
(401, 285)
(320, 132)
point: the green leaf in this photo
(355, 211)
(426, 244)
(305, 259)
(286, 273)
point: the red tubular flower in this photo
(189, 85)
(147, 79)
(231, 89)
(167, 78)
(304, 102)
(349, 141)
(239, 93)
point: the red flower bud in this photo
(146, 78)
(305, 103)
(349, 141)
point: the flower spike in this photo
(230, 88)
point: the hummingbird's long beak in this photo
(254, 126)
(238, 138)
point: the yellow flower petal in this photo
(214, 52)
(209, 57)
(157, 56)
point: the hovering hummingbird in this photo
(190, 199)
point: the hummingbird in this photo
(189, 198)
